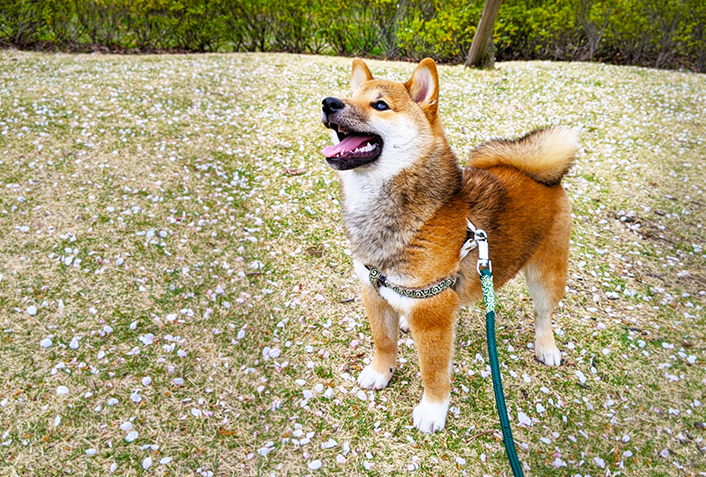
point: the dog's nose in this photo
(332, 105)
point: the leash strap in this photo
(486, 279)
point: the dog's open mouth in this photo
(354, 150)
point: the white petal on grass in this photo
(196, 412)
(134, 397)
(147, 463)
(165, 460)
(62, 390)
(329, 444)
(147, 339)
(91, 452)
(460, 461)
(178, 381)
(126, 426)
(45, 343)
(523, 420)
(131, 436)
(146, 381)
(315, 465)
(581, 376)
(57, 420)
(362, 396)
(113, 467)
(31, 310)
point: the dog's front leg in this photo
(384, 322)
(432, 325)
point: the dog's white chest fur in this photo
(401, 304)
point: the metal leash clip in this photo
(481, 238)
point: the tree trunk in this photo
(480, 56)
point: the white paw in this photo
(548, 354)
(404, 324)
(371, 379)
(430, 416)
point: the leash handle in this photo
(486, 278)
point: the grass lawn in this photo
(177, 296)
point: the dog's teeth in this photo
(367, 148)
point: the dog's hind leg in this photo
(384, 322)
(545, 277)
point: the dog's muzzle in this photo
(332, 105)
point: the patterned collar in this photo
(377, 280)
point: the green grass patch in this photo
(169, 224)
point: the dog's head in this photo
(383, 123)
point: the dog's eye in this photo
(380, 106)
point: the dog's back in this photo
(514, 192)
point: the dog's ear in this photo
(423, 87)
(360, 73)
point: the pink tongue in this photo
(351, 143)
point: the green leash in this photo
(485, 270)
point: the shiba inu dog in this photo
(406, 202)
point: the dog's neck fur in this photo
(383, 216)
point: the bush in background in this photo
(659, 33)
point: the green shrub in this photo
(662, 33)
(20, 22)
(446, 35)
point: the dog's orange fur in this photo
(515, 196)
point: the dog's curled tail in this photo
(545, 154)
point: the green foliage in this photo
(20, 22)
(661, 33)
(446, 36)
